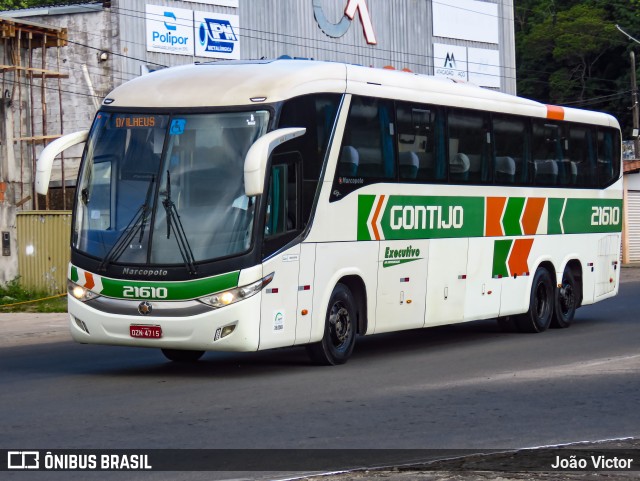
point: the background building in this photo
(91, 48)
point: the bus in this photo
(250, 205)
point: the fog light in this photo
(222, 332)
(81, 324)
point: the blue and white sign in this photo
(169, 30)
(217, 35)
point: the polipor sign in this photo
(337, 30)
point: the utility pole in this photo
(634, 106)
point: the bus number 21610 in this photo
(605, 215)
(145, 292)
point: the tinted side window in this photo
(317, 113)
(368, 149)
(469, 147)
(608, 156)
(547, 153)
(580, 159)
(511, 150)
(420, 137)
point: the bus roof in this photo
(234, 83)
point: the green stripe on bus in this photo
(175, 290)
(501, 250)
(512, 214)
(432, 217)
(365, 204)
(553, 217)
(592, 215)
(74, 274)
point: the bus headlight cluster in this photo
(79, 292)
(221, 299)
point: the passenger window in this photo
(469, 147)
(368, 147)
(580, 157)
(547, 153)
(420, 128)
(608, 156)
(511, 150)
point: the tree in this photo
(17, 4)
(569, 52)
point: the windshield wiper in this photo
(175, 224)
(137, 223)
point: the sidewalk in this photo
(31, 328)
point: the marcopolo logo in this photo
(217, 35)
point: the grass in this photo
(16, 298)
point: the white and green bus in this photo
(253, 205)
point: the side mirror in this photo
(45, 161)
(255, 163)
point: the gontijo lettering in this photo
(416, 217)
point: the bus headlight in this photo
(221, 299)
(79, 292)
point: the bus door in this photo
(282, 225)
(402, 284)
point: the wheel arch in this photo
(358, 289)
(575, 267)
(548, 265)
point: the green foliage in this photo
(570, 52)
(17, 298)
(17, 4)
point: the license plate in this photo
(145, 332)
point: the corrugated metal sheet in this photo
(272, 28)
(633, 226)
(43, 249)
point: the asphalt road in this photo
(457, 387)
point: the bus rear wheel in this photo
(339, 336)
(541, 302)
(566, 301)
(180, 355)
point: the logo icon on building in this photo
(337, 30)
(217, 35)
(450, 61)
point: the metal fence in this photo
(43, 249)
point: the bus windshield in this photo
(166, 189)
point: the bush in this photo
(14, 297)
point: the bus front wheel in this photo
(541, 302)
(180, 355)
(339, 336)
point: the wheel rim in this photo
(541, 301)
(339, 325)
(567, 299)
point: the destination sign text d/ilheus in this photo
(397, 217)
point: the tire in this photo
(566, 301)
(339, 336)
(180, 355)
(541, 302)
